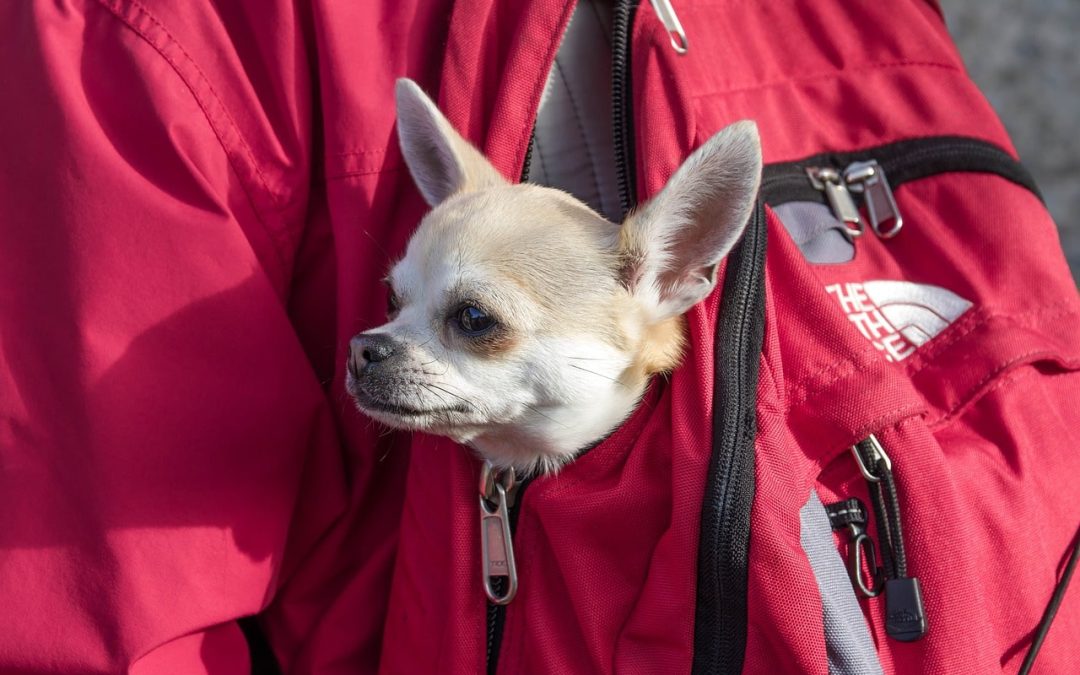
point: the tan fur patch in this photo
(659, 351)
(499, 342)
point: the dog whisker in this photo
(430, 388)
(458, 397)
(378, 245)
(593, 372)
(545, 416)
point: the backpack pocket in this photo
(944, 328)
(940, 253)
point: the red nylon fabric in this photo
(201, 199)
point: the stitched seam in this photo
(365, 172)
(804, 391)
(970, 395)
(361, 151)
(835, 74)
(906, 412)
(1046, 312)
(113, 7)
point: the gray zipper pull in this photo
(666, 13)
(496, 544)
(829, 181)
(869, 178)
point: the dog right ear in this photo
(441, 162)
(673, 244)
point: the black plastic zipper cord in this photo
(905, 613)
(902, 161)
(720, 621)
(1052, 607)
(622, 103)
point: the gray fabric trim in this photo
(818, 234)
(848, 644)
(574, 146)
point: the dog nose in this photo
(368, 348)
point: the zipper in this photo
(666, 13)
(498, 566)
(833, 185)
(905, 616)
(500, 504)
(842, 180)
(868, 178)
(622, 103)
(720, 619)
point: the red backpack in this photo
(199, 199)
(864, 464)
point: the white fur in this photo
(693, 223)
(583, 307)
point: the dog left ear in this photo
(675, 242)
(441, 162)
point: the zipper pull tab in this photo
(905, 618)
(666, 13)
(869, 178)
(496, 544)
(829, 181)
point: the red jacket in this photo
(200, 199)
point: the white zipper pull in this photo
(869, 178)
(829, 181)
(496, 545)
(666, 13)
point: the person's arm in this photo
(168, 455)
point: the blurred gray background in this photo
(1026, 59)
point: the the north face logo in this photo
(898, 316)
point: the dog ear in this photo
(441, 162)
(673, 244)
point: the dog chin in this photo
(404, 415)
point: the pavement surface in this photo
(1026, 58)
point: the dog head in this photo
(521, 322)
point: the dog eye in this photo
(393, 304)
(474, 321)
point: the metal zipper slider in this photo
(829, 181)
(868, 177)
(496, 543)
(666, 13)
(875, 453)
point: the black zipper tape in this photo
(720, 621)
(622, 103)
(902, 161)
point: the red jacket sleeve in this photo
(174, 452)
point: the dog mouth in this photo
(372, 404)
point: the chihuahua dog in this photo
(522, 323)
